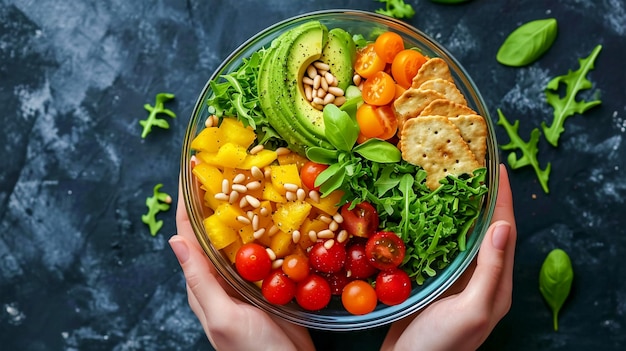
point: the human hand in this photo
(229, 322)
(464, 320)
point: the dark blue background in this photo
(80, 271)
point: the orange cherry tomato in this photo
(379, 89)
(369, 122)
(359, 297)
(399, 91)
(362, 138)
(389, 121)
(405, 66)
(388, 45)
(368, 62)
(296, 267)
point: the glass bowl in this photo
(335, 317)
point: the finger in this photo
(504, 203)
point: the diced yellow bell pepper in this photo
(308, 225)
(228, 213)
(271, 193)
(209, 140)
(235, 132)
(220, 234)
(292, 158)
(246, 233)
(231, 250)
(329, 203)
(282, 244)
(289, 216)
(228, 155)
(260, 159)
(209, 176)
(283, 174)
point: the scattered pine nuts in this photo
(243, 219)
(300, 194)
(333, 225)
(253, 185)
(320, 86)
(342, 236)
(338, 217)
(328, 244)
(273, 230)
(257, 234)
(225, 186)
(271, 253)
(256, 172)
(253, 201)
(221, 197)
(258, 148)
(313, 235)
(233, 197)
(277, 263)
(240, 188)
(290, 187)
(315, 196)
(326, 234)
(295, 236)
(282, 151)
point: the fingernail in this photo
(500, 235)
(180, 249)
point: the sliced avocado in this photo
(281, 94)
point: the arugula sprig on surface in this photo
(529, 150)
(153, 119)
(567, 105)
(158, 202)
(396, 9)
(238, 96)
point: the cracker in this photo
(411, 103)
(435, 144)
(432, 69)
(445, 107)
(473, 129)
(446, 88)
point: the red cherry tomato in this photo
(385, 250)
(313, 293)
(277, 288)
(360, 221)
(309, 172)
(393, 287)
(337, 281)
(357, 265)
(359, 297)
(253, 262)
(327, 260)
(296, 267)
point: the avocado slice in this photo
(280, 89)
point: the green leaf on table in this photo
(527, 43)
(529, 150)
(396, 9)
(158, 202)
(153, 119)
(555, 281)
(567, 105)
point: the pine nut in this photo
(225, 186)
(342, 236)
(250, 215)
(317, 81)
(325, 219)
(239, 178)
(328, 244)
(277, 263)
(329, 78)
(282, 151)
(256, 172)
(326, 234)
(324, 84)
(329, 98)
(253, 201)
(271, 253)
(321, 65)
(356, 79)
(311, 72)
(243, 219)
(333, 226)
(258, 234)
(317, 106)
(290, 196)
(290, 187)
(308, 92)
(255, 150)
(240, 188)
(322, 72)
(273, 230)
(318, 101)
(243, 202)
(209, 122)
(233, 197)
(221, 197)
(336, 91)
(255, 222)
(306, 80)
(253, 185)
(338, 217)
(300, 194)
(313, 235)
(315, 196)
(340, 100)
(267, 173)
(264, 211)
(295, 236)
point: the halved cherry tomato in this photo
(368, 62)
(337, 281)
(357, 265)
(379, 89)
(361, 221)
(313, 293)
(253, 262)
(388, 45)
(327, 260)
(369, 122)
(385, 250)
(277, 288)
(399, 91)
(359, 297)
(393, 287)
(405, 66)
(309, 172)
(296, 267)
(389, 120)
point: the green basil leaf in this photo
(379, 151)
(555, 281)
(333, 182)
(327, 173)
(341, 129)
(321, 155)
(527, 43)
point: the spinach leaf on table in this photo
(555, 281)
(527, 43)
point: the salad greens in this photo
(555, 281)
(529, 150)
(527, 43)
(568, 105)
(152, 119)
(396, 9)
(158, 202)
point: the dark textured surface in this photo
(80, 271)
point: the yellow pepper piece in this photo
(260, 159)
(228, 155)
(289, 216)
(209, 140)
(220, 234)
(235, 132)
(284, 174)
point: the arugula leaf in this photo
(527, 43)
(568, 105)
(529, 150)
(158, 202)
(153, 119)
(555, 281)
(396, 9)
